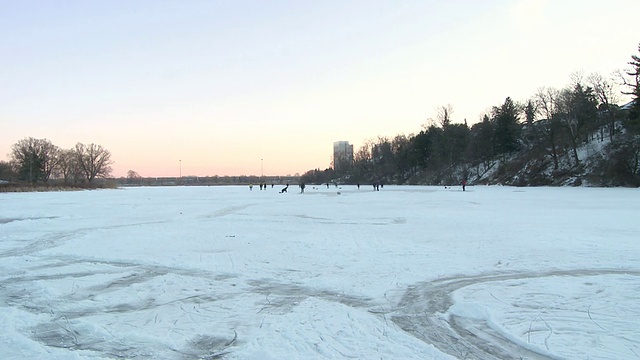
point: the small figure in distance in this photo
(301, 188)
(250, 186)
(464, 184)
(284, 189)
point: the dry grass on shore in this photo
(17, 187)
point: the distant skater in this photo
(250, 186)
(284, 189)
(301, 188)
(464, 184)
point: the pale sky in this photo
(213, 87)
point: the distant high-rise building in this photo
(342, 155)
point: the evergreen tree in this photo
(480, 148)
(634, 91)
(530, 112)
(423, 146)
(507, 129)
(457, 139)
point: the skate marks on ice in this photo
(229, 210)
(124, 309)
(424, 311)
(22, 247)
(8, 220)
(376, 221)
(281, 298)
(118, 309)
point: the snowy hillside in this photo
(601, 163)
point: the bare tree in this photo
(362, 159)
(363, 155)
(577, 77)
(51, 157)
(93, 160)
(35, 159)
(398, 142)
(442, 118)
(606, 92)
(443, 115)
(133, 175)
(6, 171)
(568, 120)
(68, 166)
(547, 100)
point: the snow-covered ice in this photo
(407, 272)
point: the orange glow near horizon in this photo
(221, 85)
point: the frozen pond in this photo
(401, 273)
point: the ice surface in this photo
(405, 272)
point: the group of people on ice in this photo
(376, 186)
(263, 186)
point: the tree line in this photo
(546, 129)
(38, 161)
